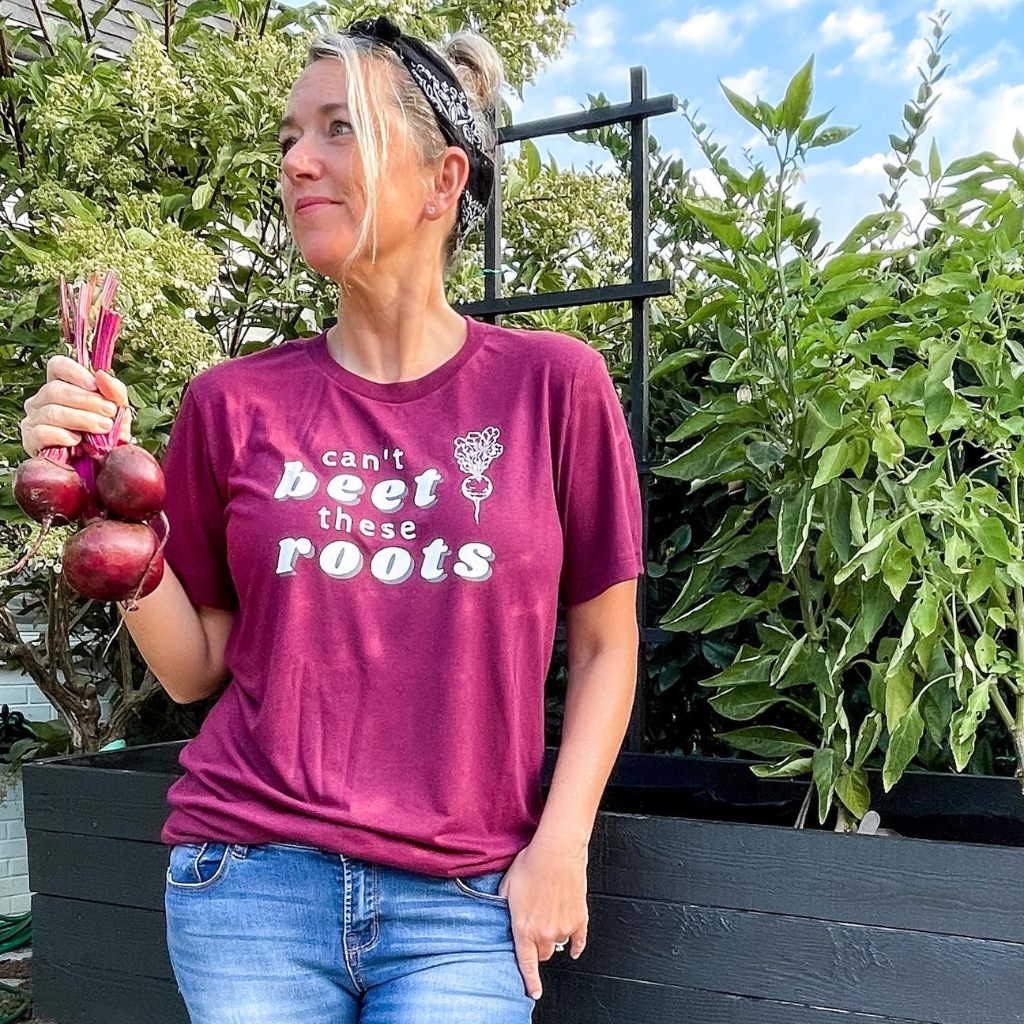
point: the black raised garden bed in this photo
(706, 905)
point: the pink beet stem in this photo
(65, 312)
(106, 334)
(82, 324)
(59, 455)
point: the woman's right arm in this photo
(182, 644)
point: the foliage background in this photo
(836, 542)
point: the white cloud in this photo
(597, 29)
(860, 25)
(704, 30)
(562, 105)
(567, 64)
(841, 194)
(752, 83)
(856, 24)
(617, 76)
(708, 181)
(965, 122)
(959, 9)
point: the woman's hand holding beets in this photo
(73, 401)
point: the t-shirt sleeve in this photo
(195, 506)
(597, 489)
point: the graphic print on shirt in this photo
(346, 486)
(474, 453)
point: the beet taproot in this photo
(130, 484)
(108, 560)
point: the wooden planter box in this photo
(706, 906)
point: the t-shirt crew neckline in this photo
(401, 390)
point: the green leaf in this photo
(825, 768)
(971, 163)
(830, 136)
(795, 513)
(980, 581)
(888, 446)
(934, 163)
(782, 667)
(904, 744)
(763, 455)
(676, 361)
(985, 652)
(767, 741)
(742, 106)
(715, 449)
(726, 610)
(938, 388)
(797, 101)
(1018, 144)
(899, 693)
(785, 770)
(745, 702)
(963, 726)
(925, 611)
(852, 789)
(897, 567)
(201, 196)
(529, 150)
(937, 704)
(749, 667)
(989, 532)
(833, 461)
(867, 738)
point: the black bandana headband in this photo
(450, 104)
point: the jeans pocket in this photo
(198, 865)
(482, 887)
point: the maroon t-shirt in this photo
(394, 553)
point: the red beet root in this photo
(107, 560)
(49, 491)
(130, 484)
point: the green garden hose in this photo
(15, 932)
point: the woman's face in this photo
(320, 159)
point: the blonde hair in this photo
(479, 69)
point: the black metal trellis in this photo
(638, 292)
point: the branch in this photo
(131, 701)
(42, 28)
(5, 63)
(85, 22)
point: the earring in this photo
(431, 208)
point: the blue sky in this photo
(866, 55)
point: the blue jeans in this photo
(278, 933)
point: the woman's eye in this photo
(286, 144)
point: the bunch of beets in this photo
(110, 487)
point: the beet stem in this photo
(133, 602)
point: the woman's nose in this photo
(300, 161)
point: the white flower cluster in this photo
(148, 255)
(152, 81)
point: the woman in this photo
(370, 532)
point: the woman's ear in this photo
(449, 181)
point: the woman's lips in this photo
(316, 205)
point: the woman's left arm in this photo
(546, 884)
